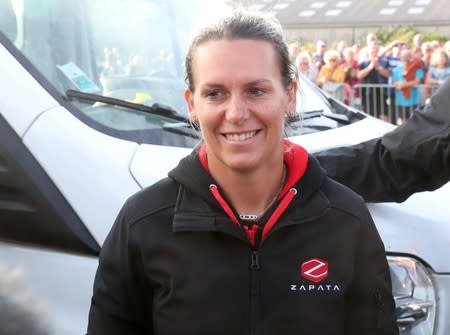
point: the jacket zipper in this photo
(253, 238)
(255, 291)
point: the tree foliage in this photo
(406, 34)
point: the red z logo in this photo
(315, 270)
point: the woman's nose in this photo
(237, 109)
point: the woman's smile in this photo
(240, 137)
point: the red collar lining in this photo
(295, 158)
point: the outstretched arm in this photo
(412, 158)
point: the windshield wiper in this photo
(155, 109)
(318, 113)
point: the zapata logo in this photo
(315, 269)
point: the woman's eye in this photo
(256, 91)
(213, 94)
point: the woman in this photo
(304, 64)
(331, 72)
(214, 250)
(439, 71)
(350, 67)
(405, 78)
(331, 77)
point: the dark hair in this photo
(245, 25)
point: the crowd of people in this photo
(387, 81)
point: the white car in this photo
(92, 110)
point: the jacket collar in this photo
(197, 210)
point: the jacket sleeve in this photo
(412, 158)
(116, 306)
(370, 307)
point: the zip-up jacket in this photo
(414, 157)
(179, 261)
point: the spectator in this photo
(294, 50)
(318, 57)
(439, 71)
(112, 64)
(427, 52)
(406, 95)
(331, 76)
(392, 53)
(340, 48)
(435, 44)
(447, 51)
(417, 43)
(356, 50)
(364, 53)
(374, 71)
(304, 64)
(350, 67)
(162, 64)
(140, 65)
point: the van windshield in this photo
(130, 50)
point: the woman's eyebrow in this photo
(259, 81)
(210, 85)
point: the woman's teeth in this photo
(240, 137)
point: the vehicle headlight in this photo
(414, 295)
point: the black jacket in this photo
(175, 263)
(414, 157)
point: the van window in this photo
(8, 24)
(132, 51)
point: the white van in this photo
(91, 111)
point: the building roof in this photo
(351, 13)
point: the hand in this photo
(399, 85)
(393, 44)
(324, 79)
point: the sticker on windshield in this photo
(78, 78)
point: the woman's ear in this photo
(189, 98)
(292, 97)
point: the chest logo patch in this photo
(314, 269)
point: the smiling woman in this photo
(247, 235)
(240, 106)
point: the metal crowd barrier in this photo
(336, 90)
(378, 100)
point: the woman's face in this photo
(349, 57)
(332, 62)
(240, 103)
(303, 65)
